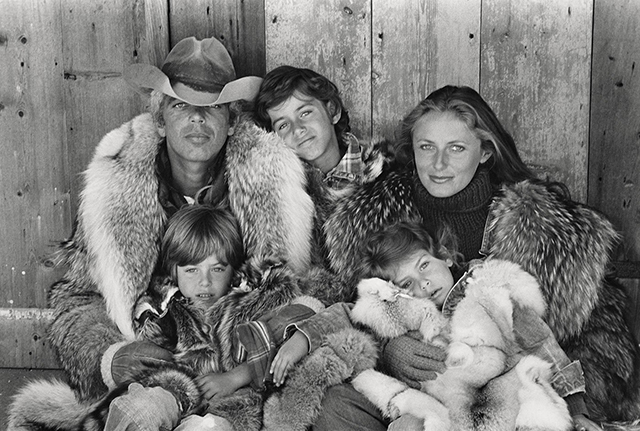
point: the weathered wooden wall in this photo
(559, 73)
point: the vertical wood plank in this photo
(614, 152)
(239, 25)
(24, 339)
(331, 37)
(419, 46)
(100, 38)
(35, 210)
(535, 74)
(614, 157)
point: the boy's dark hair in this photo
(280, 84)
(196, 232)
(395, 243)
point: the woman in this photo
(457, 166)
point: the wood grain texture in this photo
(331, 37)
(35, 209)
(419, 46)
(24, 338)
(95, 55)
(535, 74)
(614, 157)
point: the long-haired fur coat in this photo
(565, 245)
(114, 249)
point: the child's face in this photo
(306, 125)
(424, 276)
(205, 282)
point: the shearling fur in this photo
(565, 245)
(481, 337)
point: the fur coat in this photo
(565, 245)
(114, 249)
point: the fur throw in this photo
(297, 404)
(481, 337)
(565, 245)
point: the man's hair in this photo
(392, 245)
(158, 101)
(283, 81)
(198, 231)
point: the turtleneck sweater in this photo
(465, 212)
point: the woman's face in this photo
(447, 153)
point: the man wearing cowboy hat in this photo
(140, 175)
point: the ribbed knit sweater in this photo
(465, 212)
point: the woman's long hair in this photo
(505, 164)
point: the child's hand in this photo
(294, 349)
(215, 385)
(582, 423)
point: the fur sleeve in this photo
(565, 245)
(372, 206)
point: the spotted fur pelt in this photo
(565, 245)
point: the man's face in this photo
(194, 133)
(306, 125)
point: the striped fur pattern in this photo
(48, 405)
(585, 237)
(44, 405)
(264, 286)
(371, 207)
(565, 245)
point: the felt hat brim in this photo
(145, 77)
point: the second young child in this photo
(408, 256)
(201, 255)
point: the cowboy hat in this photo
(198, 72)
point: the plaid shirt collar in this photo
(349, 169)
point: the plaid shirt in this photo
(257, 342)
(349, 169)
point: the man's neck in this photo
(189, 177)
